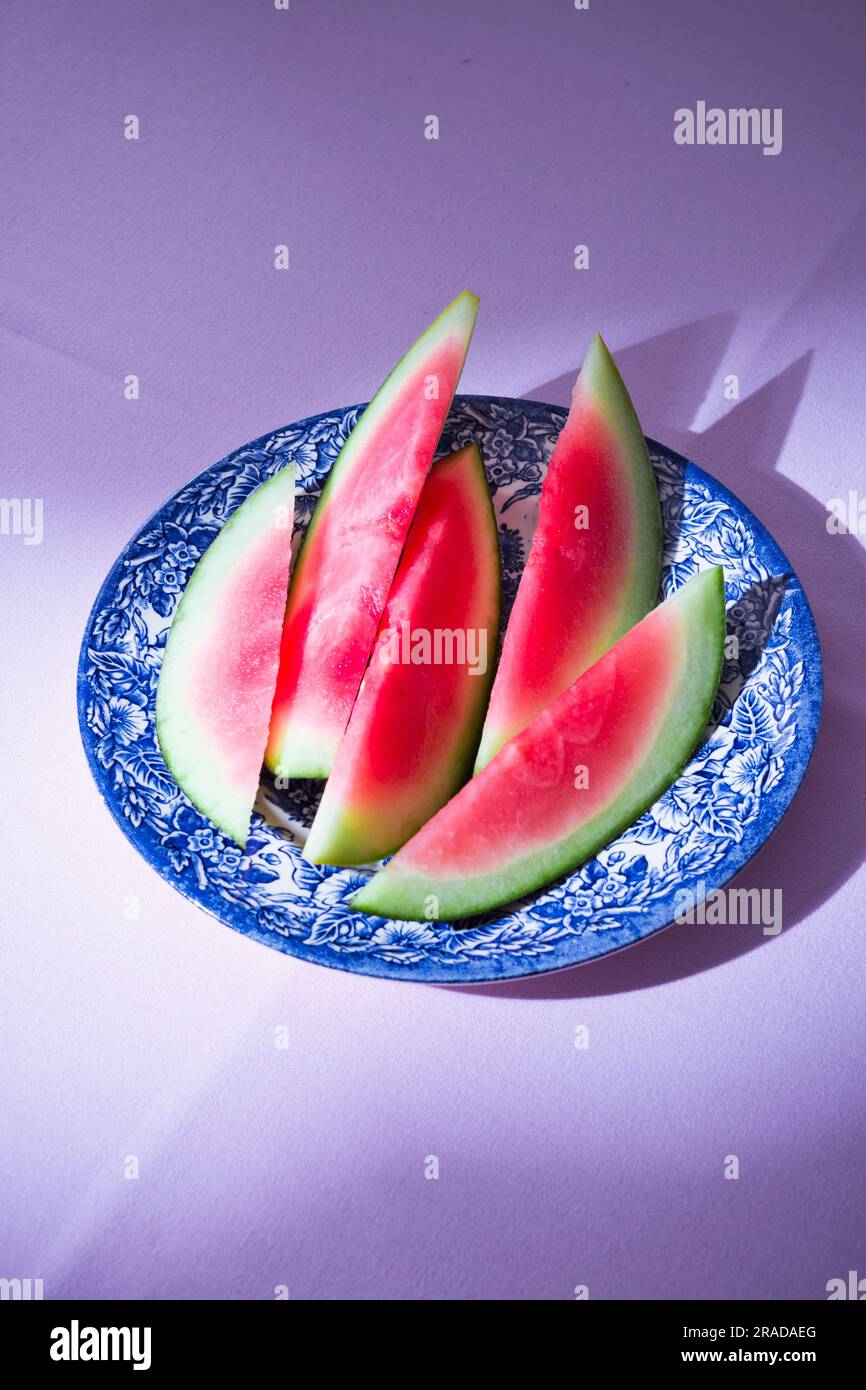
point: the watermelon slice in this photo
(594, 565)
(569, 783)
(219, 670)
(354, 543)
(414, 729)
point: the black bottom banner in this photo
(157, 1338)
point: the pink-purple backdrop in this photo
(134, 1025)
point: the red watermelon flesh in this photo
(414, 729)
(219, 669)
(353, 545)
(595, 561)
(565, 786)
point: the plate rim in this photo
(473, 973)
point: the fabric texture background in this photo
(133, 1026)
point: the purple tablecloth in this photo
(136, 1028)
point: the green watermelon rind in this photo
(408, 897)
(338, 834)
(192, 764)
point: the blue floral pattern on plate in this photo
(702, 831)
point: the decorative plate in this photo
(730, 797)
